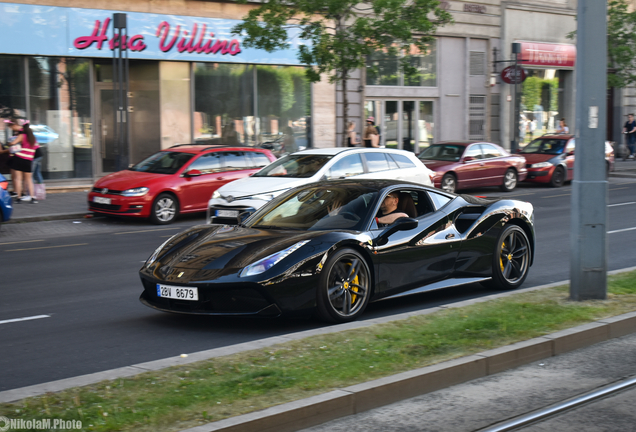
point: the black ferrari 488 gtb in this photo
(320, 247)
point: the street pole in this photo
(516, 49)
(588, 239)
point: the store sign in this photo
(74, 32)
(557, 56)
(511, 76)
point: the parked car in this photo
(180, 179)
(319, 247)
(44, 134)
(550, 159)
(6, 207)
(308, 166)
(464, 165)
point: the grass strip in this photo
(186, 396)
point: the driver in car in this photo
(389, 210)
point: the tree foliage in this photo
(340, 34)
(621, 44)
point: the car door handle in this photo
(220, 178)
(449, 236)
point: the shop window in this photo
(12, 97)
(383, 68)
(284, 105)
(541, 103)
(224, 104)
(60, 115)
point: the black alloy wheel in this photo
(164, 209)
(344, 288)
(449, 183)
(509, 180)
(511, 259)
(558, 177)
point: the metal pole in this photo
(516, 49)
(588, 241)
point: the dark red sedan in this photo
(550, 159)
(180, 179)
(464, 165)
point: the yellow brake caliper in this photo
(503, 245)
(350, 287)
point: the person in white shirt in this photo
(563, 128)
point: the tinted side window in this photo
(570, 146)
(376, 162)
(346, 167)
(259, 159)
(473, 151)
(234, 160)
(402, 161)
(490, 151)
(438, 200)
(207, 163)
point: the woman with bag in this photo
(370, 134)
(23, 149)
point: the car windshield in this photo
(545, 146)
(318, 208)
(164, 162)
(296, 166)
(443, 152)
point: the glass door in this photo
(104, 136)
(390, 124)
(409, 125)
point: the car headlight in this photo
(216, 194)
(135, 192)
(269, 196)
(541, 165)
(268, 262)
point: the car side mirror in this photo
(468, 159)
(192, 173)
(400, 224)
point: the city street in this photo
(70, 290)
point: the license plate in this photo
(179, 293)
(227, 213)
(101, 200)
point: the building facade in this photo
(189, 80)
(459, 93)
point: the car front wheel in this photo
(344, 288)
(449, 183)
(511, 259)
(558, 178)
(164, 209)
(509, 181)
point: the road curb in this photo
(290, 416)
(47, 217)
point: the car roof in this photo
(331, 151)
(378, 184)
(199, 148)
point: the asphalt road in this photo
(69, 291)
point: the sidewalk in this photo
(62, 202)
(69, 202)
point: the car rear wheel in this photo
(511, 259)
(449, 183)
(558, 177)
(509, 180)
(164, 210)
(344, 288)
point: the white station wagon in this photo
(309, 166)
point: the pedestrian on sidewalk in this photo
(630, 132)
(563, 128)
(370, 134)
(23, 149)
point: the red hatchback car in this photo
(180, 179)
(550, 159)
(463, 165)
